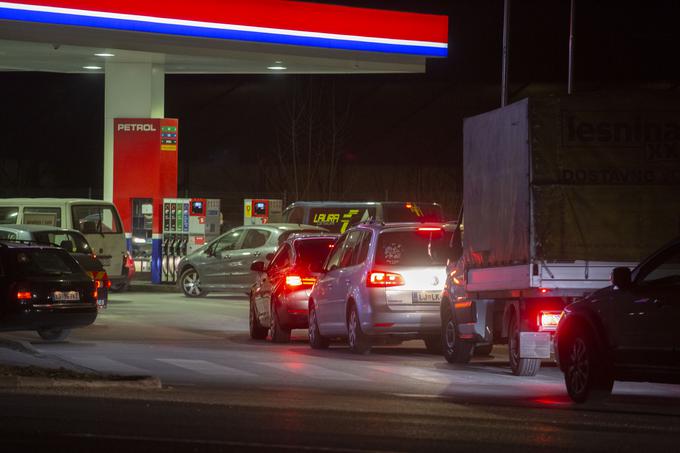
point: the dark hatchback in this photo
(44, 289)
(628, 331)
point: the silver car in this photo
(381, 284)
(224, 263)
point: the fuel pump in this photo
(187, 225)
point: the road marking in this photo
(207, 368)
(99, 363)
(313, 371)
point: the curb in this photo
(27, 382)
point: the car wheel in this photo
(190, 282)
(54, 334)
(279, 333)
(585, 376)
(520, 366)
(433, 344)
(257, 332)
(483, 350)
(358, 342)
(316, 340)
(455, 350)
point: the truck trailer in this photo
(558, 191)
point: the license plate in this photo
(65, 296)
(424, 297)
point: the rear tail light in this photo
(548, 320)
(24, 295)
(95, 294)
(430, 229)
(378, 279)
(295, 281)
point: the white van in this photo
(97, 220)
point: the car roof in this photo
(9, 244)
(21, 201)
(36, 228)
(286, 227)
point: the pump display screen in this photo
(260, 208)
(197, 207)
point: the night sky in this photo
(51, 125)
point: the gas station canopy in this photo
(217, 36)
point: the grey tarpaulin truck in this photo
(557, 192)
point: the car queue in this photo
(382, 283)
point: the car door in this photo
(214, 265)
(349, 277)
(648, 314)
(270, 279)
(239, 274)
(323, 290)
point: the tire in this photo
(316, 340)
(433, 344)
(279, 333)
(455, 350)
(190, 283)
(483, 350)
(585, 375)
(357, 340)
(519, 366)
(54, 334)
(257, 332)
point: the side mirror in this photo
(257, 266)
(621, 277)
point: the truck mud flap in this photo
(534, 345)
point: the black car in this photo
(44, 289)
(628, 331)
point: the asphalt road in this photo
(224, 391)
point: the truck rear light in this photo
(295, 281)
(24, 295)
(379, 279)
(548, 320)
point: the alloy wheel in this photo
(352, 329)
(579, 366)
(191, 283)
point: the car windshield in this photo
(31, 262)
(412, 248)
(71, 242)
(311, 253)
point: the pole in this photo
(505, 55)
(570, 79)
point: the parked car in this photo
(224, 263)
(44, 289)
(70, 240)
(627, 331)
(381, 283)
(97, 220)
(280, 295)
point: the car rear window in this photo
(412, 212)
(31, 262)
(72, 243)
(312, 252)
(286, 234)
(91, 219)
(412, 248)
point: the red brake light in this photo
(99, 284)
(378, 279)
(548, 320)
(544, 290)
(24, 295)
(429, 229)
(295, 281)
